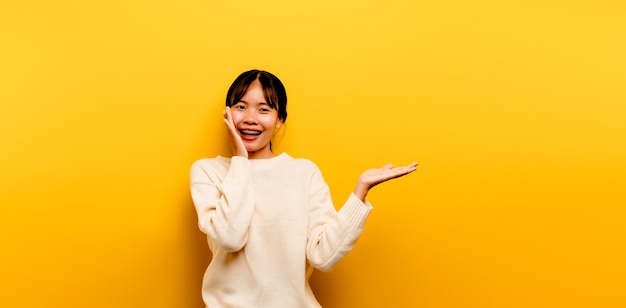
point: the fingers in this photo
(237, 145)
(410, 167)
(228, 117)
(390, 166)
(228, 120)
(400, 171)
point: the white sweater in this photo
(266, 221)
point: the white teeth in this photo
(250, 132)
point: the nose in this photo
(250, 117)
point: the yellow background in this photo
(516, 111)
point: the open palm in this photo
(373, 177)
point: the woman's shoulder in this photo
(304, 163)
(295, 159)
(218, 162)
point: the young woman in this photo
(269, 218)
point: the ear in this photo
(279, 123)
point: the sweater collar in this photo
(266, 163)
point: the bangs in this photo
(239, 88)
(269, 91)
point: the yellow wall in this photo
(515, 110)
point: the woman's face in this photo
(256, 121)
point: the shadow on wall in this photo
(324, 288)
(199, 253)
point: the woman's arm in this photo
(224, 206)
(333, 234)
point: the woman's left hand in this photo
(373, 177)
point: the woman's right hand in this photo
(236, 143)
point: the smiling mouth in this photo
(249, 132)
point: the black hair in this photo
(273, 88)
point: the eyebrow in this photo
(260, 103)
(242, 101)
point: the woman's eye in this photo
(264, 110)
(240, 107)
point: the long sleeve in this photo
(267, 220)
(332, 234)
(224, 203)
